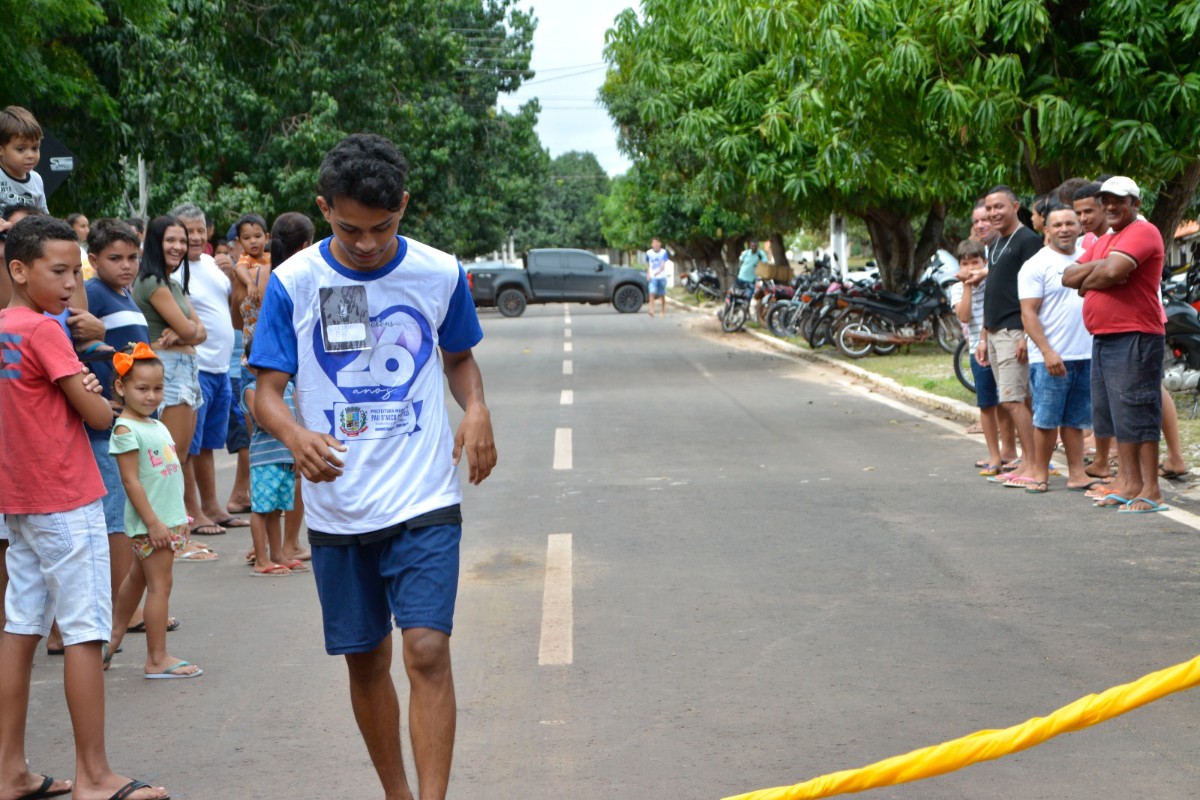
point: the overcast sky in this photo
(568, 48)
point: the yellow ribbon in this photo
(991, 744)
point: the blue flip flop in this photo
(170, 672)
(1126, 509)
(1103, 501)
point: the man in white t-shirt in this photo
(370, 325)
(209, 291)
(1060, 351)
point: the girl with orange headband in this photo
(155, 517)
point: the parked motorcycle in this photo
(1181, 371)
(890, 320)
(736, 309)
(704, 283)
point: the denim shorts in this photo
(272, 488)
(1064, 401)
(114, 501)
(986, 395)
(181, 380)
(658, 286)
(412, 576)
(1012, 376)
(58, 568)
(212, 417)
(1127, 371)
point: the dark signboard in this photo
(57, 162)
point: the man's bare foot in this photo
(114, 785)
(33, 785)
(238, 505)
(299, 554)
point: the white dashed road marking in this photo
(568, 367)
(557, 646)
(562, 448)
(567, 398)
(566, 347)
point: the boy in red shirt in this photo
(58, 553)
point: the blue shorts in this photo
(114, 501)
(272, 488)
(181, 380)
(658, 286)
(237, 437)
(212, 418)
(412, 576)
(1127, 371)
(986, 393)
(1062, 401)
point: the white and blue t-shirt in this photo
(124, 323)
(656, 262)
(363, 348)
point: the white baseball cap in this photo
(1121, 187)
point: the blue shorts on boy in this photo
(410, 575)
(363, 350)
(272, 488)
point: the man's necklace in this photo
(993, 261)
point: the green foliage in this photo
(570, 200)
(233, 105)
(894, 110)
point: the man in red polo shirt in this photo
(1118, 277)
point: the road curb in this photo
(945, 405)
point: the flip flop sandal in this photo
(128, 789)
(1129, 509)
(296, 565)
(233, 522)
(169, 672)
(1041, 487)
(1087, 486)
(1111, 501)
(44, 790)
(276, 571)
(989, 469)
(172, 624)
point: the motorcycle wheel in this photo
(808, 325)
(823, 331)
(949, 332)
(962, 366)
(884, 348)
(777, 317)
(734, 318)
(851, 347)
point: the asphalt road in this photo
(773, 574)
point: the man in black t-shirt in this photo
(1003, 339)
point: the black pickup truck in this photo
(556, 276)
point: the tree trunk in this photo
(894, 245)
(931, 235)
(778, 250)
(1044, 177)
(1173, 200)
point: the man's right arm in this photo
(309, 448)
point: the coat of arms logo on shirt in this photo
(352, 421)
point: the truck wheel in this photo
(628, 299)
(511, 303)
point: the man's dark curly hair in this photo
(366, 168)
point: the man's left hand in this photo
(1022, 352)
(84, 326)
(474, 437)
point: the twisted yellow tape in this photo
(991, 744)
